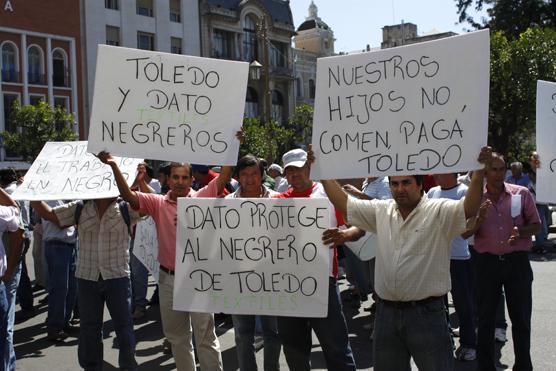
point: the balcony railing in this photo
(36, 78)
(62, 79)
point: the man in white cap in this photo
(295, 332)
(275, 172)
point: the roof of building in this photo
(312, 23)
(279, 9)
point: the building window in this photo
(145, 41)
(112, 35)
(34, 100)
(60, 72)
(277, 106)
(222, 44)
(298, 87)
(145, 7)
(10, 69)
(249, 39)
(175, 11)
(9, 100)
(35, 71)
(312, 89)
(175, 45)
(251, 103)
(277, 54)
(112, 4)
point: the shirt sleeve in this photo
(530, 213)
(148, 202)
(9, 215)
(66, 213)
(452, 216)
(362, 213)
(210, 190)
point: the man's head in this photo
(445, 181)
(180, 179)
(147, 169)
(496, 172)
(297, 170)
(517, 169)
(250, 175)
(275, 170)
(407, 190)
(164, 174)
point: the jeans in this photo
(139, 281)
(92, 296)
(24, 290)
(295, 333)
(62, 286)
(540, 238)
(11, 293)
(4, 352)
(419, 331)
(244, 328)
(463, 294)
(514, 273)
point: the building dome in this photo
(313, 20)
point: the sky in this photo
(357, 23)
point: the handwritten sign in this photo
(252, 256)
(145, 246)
(415, 109)
(546, 137)
(65, 171)
(167, 106)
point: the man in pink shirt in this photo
(503, 240)
(176, 324)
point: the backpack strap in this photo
(124, 210)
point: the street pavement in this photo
(34, 352)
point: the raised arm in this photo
(474, 194)
(46, 212)
(223, 178)
(6, 200)
(126, 192)
(336, 195)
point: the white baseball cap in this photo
(295, 157)
(276, 167)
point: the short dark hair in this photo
(148, 169)
(419, 179)
(173, 165)
(247, 161)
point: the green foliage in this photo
(516, 65)
(34, 126)
(510, 16)
(271, 140)
(265, 140)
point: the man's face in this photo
(405, 190)
(496, 172)
(250, 179)
(298, 177)
(180, 181)
(516, 171)
(445, 180)
(273, 173)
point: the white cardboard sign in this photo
(546, 137)
(415, 109)
(167, 106)
(66, 171)
(252, 256)
(145, 246)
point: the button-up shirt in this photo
(413, 255)
(164, 212)
(103, 241)
(493, 235)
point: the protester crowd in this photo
(464, 234)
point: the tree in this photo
(36, 125)
(264, 140)
(511, 16)
(516, 65)
(302, 124)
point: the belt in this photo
(167, 270)
(409, 304)
(508, 256)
